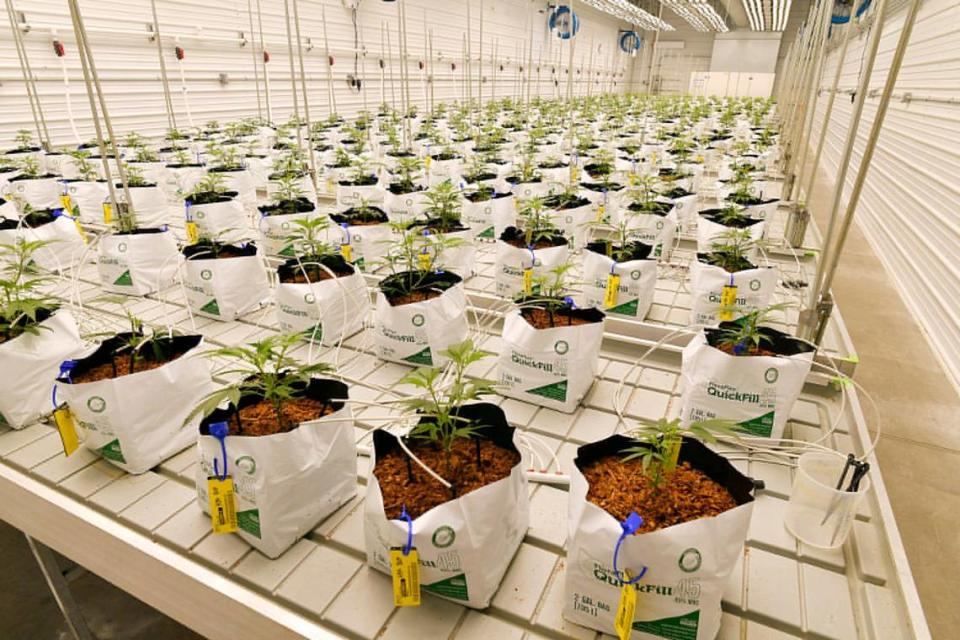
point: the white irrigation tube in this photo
(68, 99)
(186, 97)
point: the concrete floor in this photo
(919, 452)
(919, 456)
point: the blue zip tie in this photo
(220, 430)
(629, 527)
(406, 517)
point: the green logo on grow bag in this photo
(443, 537)
(96, 404)
(452, 587)
(309, 298)
(754, 285)
(553, 391)
(211, 307)
(125, 280)
(635, 274)
(678, 627)
(111, 451)
(248, 464)
(690, 560)
(486, 233)
(206, 274)
(561, 347)
(627, 308)
(249, 521)
(771, 375)
(424, 356)
(418, 320)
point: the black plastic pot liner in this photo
(105, 351)
(26, 177)
(753, 202)
(513, 233)
(556, 202)
(335, 263)
(212, 197)
(436, 222)
(442, 280)
(715, 466)
(485, 175)
(395, 189)
(74, 180)
(145, 185)
(138, 231)
(779, 342)
(705, 259)
(740, 223)
(301, 205)
(202, 251)
(495, 195)
(32, 219)
(638, 250)
(659, 209)
(320, 389)
(373, 213)
(677, 192)
(599, 186)
(365, 181)
(588, 314)
(496, 429)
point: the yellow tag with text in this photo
(346, 250)
(728, 298)
(601, 208)
(528, 280)
(223, 504)
(626, 609)
(67, 427)
(66, 203)
(424, 261)
(193, 236)
(613, 290)
(405, 570)
(107, 213)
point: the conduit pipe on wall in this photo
(29, 80)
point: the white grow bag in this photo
(39, 193)
(276, 229)
(137, 263)
(369, 243)
(657, 231)
(150, 206)
(286, 483)
(488, 219)
(687, 565)
(465, 545)
(224, 288)
(406, 207)
(417, 332)
(88, 198)
(551, 367)
(510, 262)
(637, 281)
(756, 392)
(66, 245)
(31, 363)
(755, 288)
(138, 420)
(325, 311)
(224, 221)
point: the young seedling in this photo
(444, 205)
(743, 337)
(308, 238)
(24, 140)
(441, 400)
(85, 169)
(265, 370)
(658, 444)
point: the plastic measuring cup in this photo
(818, 514)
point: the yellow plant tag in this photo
(193, 236)
(626, 609)
(700, 159)
(67, 427)
(728, 298)
(107, 213)
(528, 280)
(66, 203)
(601, 208)
(613, 290)
(424, 260)
(574, 173)
(80, 230)
(405, 570)
(346, 250)
(223, 504)
(330, 186)
(426, 162)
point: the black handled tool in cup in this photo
(860, 470)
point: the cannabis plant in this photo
(444, 205)
(308, 237)
(85, 169)
(21, 287)
(658, 443)
(744, 336)
(265, 370)
(24, 140)
(442, 398)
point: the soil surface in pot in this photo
(395, 470)
(517, 238)
(544, 319)
(260, 419)
(144, 362)
(356, 217)
(685, 494)
(408, 287)
(315, 273)
(728, 263)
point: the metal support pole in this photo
(653, 52)
(29, 80)
(263, 62)
(828, 112)
(844, 165)
(800, 112)
(253, 52)
(306, 101)
(167, 100)
(829, 262)
(60, 589)
(331, 95)
(293, 75)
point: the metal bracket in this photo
(60, 589)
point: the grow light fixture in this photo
(629, 12)
(700, 14)
(767, 15)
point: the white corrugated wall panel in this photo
(910, 206)
(211, 32)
